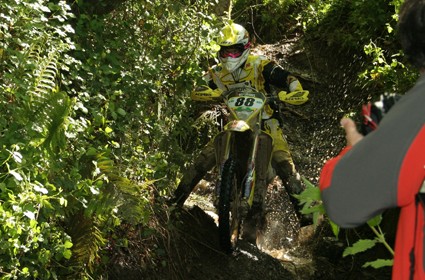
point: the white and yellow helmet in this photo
(234, 46)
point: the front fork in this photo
(249, 185)
(260, 141)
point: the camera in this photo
(373, 112)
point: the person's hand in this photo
(351, 133)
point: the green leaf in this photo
(108, 130)
(25, 271)
(121, 112)
(67, 254)
(307, 182)
(335, 228)
(115, 144)
(311, 193)
(360, 246)
(91, 151)
(68, 244)
(379, 263)
(307, 209)
(375, 221)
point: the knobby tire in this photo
(225, 200)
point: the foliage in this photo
(312, 203)
(90, 105)
(310, 199)
(35, 38)
(346, 23)
(366, 244)
(268, 20)
(96, 118)
(364, 33)
(387, 72)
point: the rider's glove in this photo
(294, 84)
(205, 93)
(296, 95)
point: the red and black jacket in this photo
(385, 170)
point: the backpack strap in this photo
(419, 199)
(421, 196)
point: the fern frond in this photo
(45, 76)
(60, 107)
(87, 241)
(130, 197)
(48, 107)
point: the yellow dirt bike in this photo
(243, 155)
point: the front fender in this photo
(237, 125)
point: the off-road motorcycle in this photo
(243, 155)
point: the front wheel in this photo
(228, 214)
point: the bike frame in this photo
(243, 155)
(246, 106)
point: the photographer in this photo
(386, 168)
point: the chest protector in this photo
(248, 75)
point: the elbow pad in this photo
(205, 93)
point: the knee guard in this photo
(279, 141)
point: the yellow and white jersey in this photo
(251, 74)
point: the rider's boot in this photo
(286, 171)
(292, 181)
(186, 187)
(194, 174)
(251, 222)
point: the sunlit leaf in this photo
(360, 246)
(68, 244)
(30, 215)
(67, 254)
(41, 189)
(17, 157)
(16, 175)
(108, 130)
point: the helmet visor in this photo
(233, 51)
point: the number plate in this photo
(244, 103)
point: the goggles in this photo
(233, 51)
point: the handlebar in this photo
(294, 98)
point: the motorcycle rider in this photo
(238, 68)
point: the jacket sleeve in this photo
(277, 76)
(328, 168)
(355, 187)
